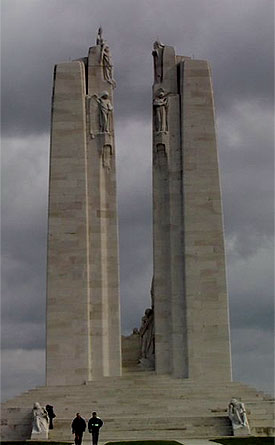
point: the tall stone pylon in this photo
(83, 303)
(190, 293)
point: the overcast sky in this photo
(236, 37)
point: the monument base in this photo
(142, 406)
(44, 435)
(241, 432)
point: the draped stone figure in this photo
(105, 111)
(160, 106)
(157, 53)
(147, 336)
(99, 39)
(40, 423)
(238, 417)
(105, 58)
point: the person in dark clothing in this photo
(49, 409)
(78, 428)
(94, 425)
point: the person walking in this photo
(94, 425)
(78, 428)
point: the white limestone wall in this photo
(190, 302)
(83, 305)
(169, 307)
(67, 304)
(205, 276)
(104, 296)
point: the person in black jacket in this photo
(94, 425)
(78, 428)
(49, 409)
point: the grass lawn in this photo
(36, 442)
(246, 441)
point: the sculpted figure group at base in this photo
(147, 335)
(238, 417)
(40, 423)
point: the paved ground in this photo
(186, 442)
(197, 442)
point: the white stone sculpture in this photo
(238, 417)
(40, 422)
(160, 105)
(157, 53)
(105, 111)
(107, 156)
(99, 38)
(147, 335)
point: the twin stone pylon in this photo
(190, 298)
(83, 306)
(190, 293)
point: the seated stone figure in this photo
(238, 417)
(40, 423)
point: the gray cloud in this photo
(235, 41)
(21, 370)
(238, 42)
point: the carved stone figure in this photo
(238, 417)
(99, 39)
(105, 58)
(157, 53)
(40, 423)
(147, 336)
(107, 156)
(105, 111)
(160, 106)
(152, 292)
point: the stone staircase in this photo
(141, 405)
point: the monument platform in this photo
(141, 405)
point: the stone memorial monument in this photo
(190, 295)
(173, 377)
(83, 306)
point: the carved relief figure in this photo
(107, 156)
(105, 58)
(237, 415)
(152, 293)
(40, 423)
(157, 53)
(105, 111)
(107, 64)
(147, 334)
(160, 107)
(99, 38)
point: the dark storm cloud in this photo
(36, 35)
(246, 133)
(24, 226)
(238, 42)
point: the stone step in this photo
(150, 392)
(136, 398)
(162, 427)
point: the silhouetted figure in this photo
(94, 425)
(49, 409)
(78, 428)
